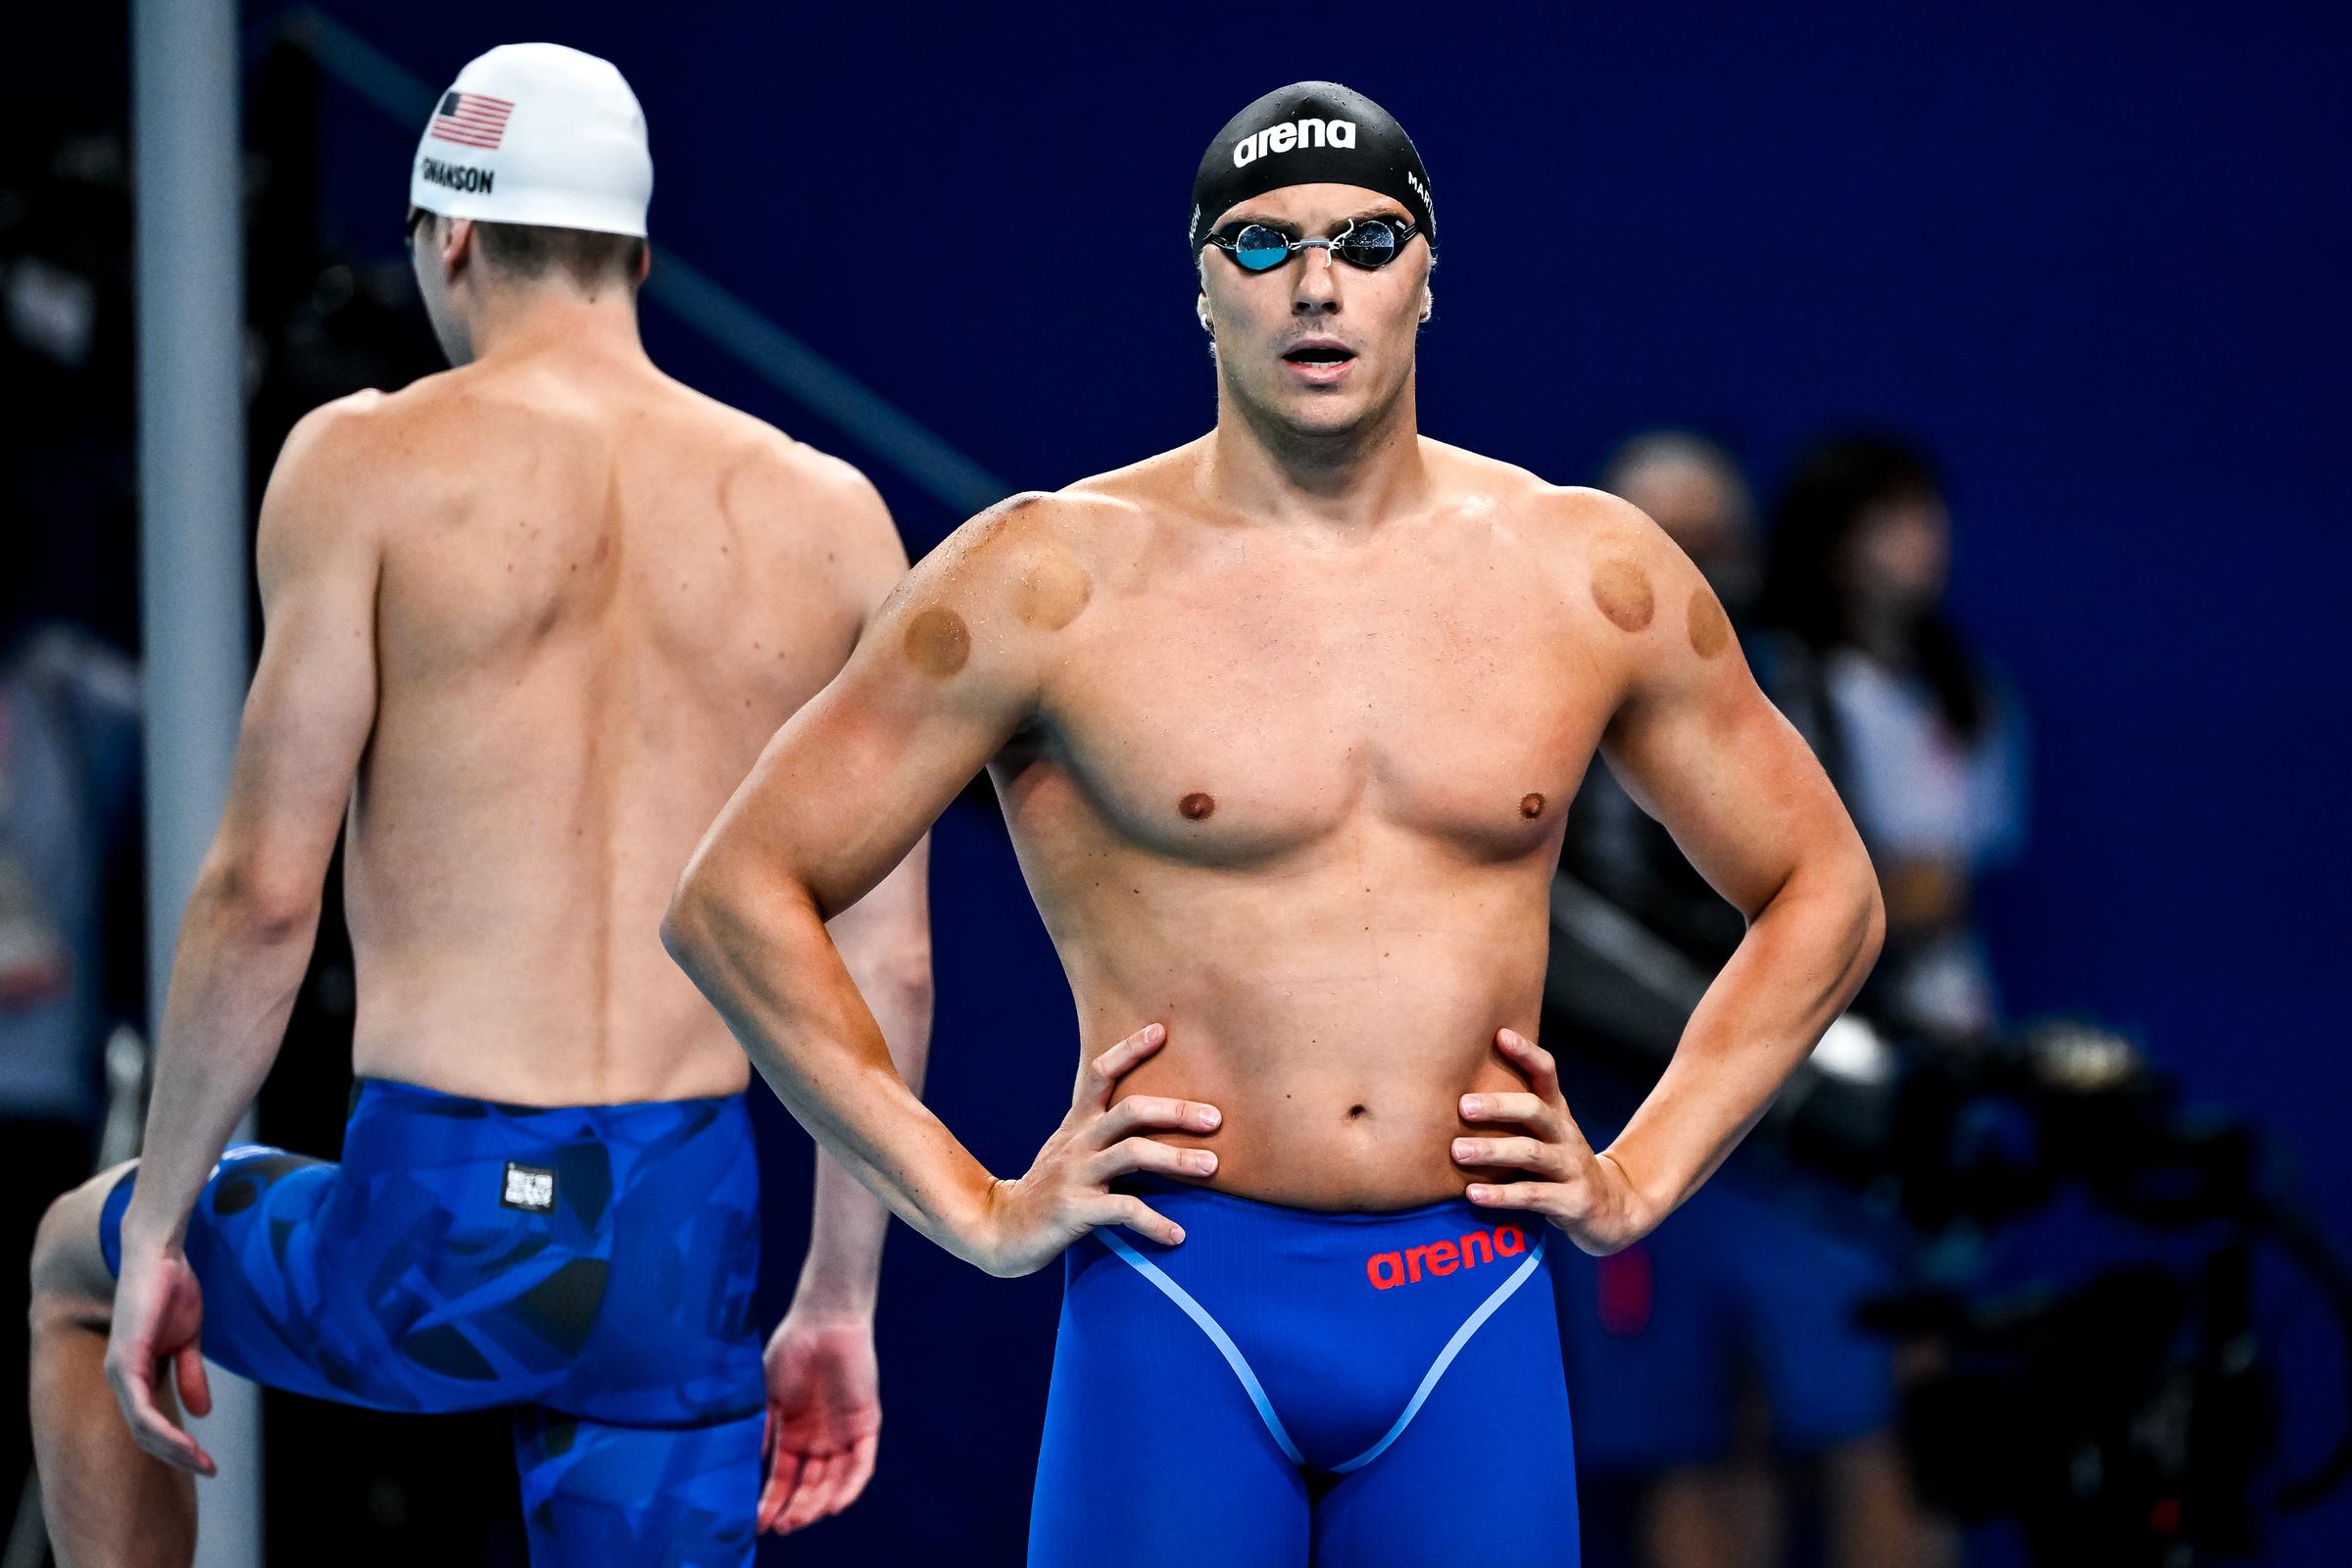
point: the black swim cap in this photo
(1311, 133)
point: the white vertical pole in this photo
(192, 573)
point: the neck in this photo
(526, 319)
(1354, 477)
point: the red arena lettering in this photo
(1386, 1270)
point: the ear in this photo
(457, 245)
(1429, 303)
(1200, 310)
(645, 262)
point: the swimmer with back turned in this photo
(528, 620)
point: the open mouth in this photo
(1319, 354)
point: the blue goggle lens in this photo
(1260, 249)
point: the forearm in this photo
(233, 981)
(767, 964)
(843, 1268)
(1806, 955)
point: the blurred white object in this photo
(1854, 1053)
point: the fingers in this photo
(844, 1479)
(861, 1471)
(152, 1428)
(1138, 1111)
(1510, 1195)
(195, 1388)
(1514, 1154)
(806, 1506)
(1119, 1208)
(783, 1468)
(1096, 1078)
(1542, 1074)
(1144, 1155)
(819, 1485)
(1512, 1106)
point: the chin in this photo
(1313, 415)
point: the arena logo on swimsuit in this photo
(1292, 133)
(1388, 1270)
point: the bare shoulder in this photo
(1638, 582)
(318, 487)
(334, 437)
(1613, 569)
(1016, 576)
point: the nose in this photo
(1317, 292)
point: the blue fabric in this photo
(1288, 1387)
(593, 1265)
(1738, 1282)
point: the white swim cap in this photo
(537, 134)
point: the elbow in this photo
(254, 900)
(909, 980)
(689, 925)
(1869, 920)
(721, 908)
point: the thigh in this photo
(1153, 1454)
(595, 1494)
(254, 1241)
(1485, 1472)
(309, 1288)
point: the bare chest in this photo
(1235, 714)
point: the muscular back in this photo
(597, 595)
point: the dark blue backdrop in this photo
(2096, 258)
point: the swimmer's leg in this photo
(1485, 1471)
(1153, 1454)
(105, 1502)
(595, 1494)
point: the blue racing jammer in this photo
(590, 1266)
(1288, 1387)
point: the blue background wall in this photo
(2094, 255)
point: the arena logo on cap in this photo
(1291, 134)
(458, 176)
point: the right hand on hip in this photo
(1066, 1192)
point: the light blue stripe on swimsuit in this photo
(1257, 1390)
(1216, 1337)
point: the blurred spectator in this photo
(1926, 749)
(69, 948)
(1725, 1399)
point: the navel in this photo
(1623, 594)
(938, 643)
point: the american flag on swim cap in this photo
(470, 120)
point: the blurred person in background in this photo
(1749, 1416)
(69, 905)
(1927, 749)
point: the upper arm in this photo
(885, 938)
(311, 705)
(948, 670)
(1700, 747)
